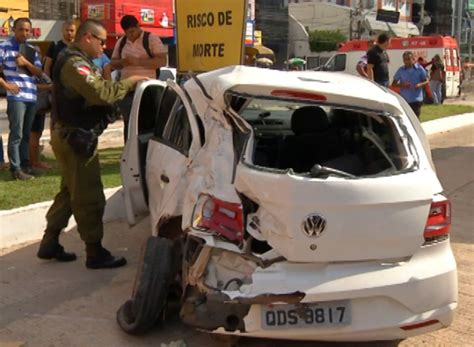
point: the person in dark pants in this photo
(82, 105)
(377, 61)
(43, 106)
(411, 78)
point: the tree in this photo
(325, 40)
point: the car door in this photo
(143, 119)
(170, 152)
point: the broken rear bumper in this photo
(384, 297)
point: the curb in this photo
(28, 223)
(442, 125)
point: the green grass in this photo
(43, 188)
(430, 112)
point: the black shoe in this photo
(21, 176)
(31, 171)
(104, 260)
(55, 251)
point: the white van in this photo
(347, 57)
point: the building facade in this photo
(272, 18)
(54, 9)
(356, 18)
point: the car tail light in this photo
(221, 217)
(439, 218)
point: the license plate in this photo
(311, 315)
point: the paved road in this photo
(52, 304)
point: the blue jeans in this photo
(20, 116)
(437, 91)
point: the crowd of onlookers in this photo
(27, 77)
(418, 81)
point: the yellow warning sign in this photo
(209, 34)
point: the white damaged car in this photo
(289, 205)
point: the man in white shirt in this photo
(136, 53)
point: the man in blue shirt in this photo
(411, 79)
(20, 63)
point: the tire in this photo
(154, 276)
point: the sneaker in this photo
(104, 260)
(21, 176)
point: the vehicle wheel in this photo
(154, 276)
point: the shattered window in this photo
(305, 137)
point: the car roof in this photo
(338, 88)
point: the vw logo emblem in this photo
(313, 225)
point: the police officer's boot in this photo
(50, 248)
(100, 258)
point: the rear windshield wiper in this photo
(319, 170)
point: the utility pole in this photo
(459, 12)
(356, 15)
(422, 17)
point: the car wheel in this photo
(154, 276)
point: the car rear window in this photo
(312, 139)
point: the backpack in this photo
(146, 46)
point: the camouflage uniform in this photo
(81, 193)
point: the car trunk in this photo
(365, 219)
(345, 188)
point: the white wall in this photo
(322, 16)
(297, 39)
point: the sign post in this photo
(210, 34)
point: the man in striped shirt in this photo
(20, 63)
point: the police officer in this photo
(82, 102)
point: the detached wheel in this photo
(154, 276)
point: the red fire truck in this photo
(155, 16)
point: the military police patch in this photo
(85, 70)
(82, 68)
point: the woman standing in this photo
(437, 79)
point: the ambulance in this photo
(349, 54)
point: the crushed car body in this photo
(304, 205)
